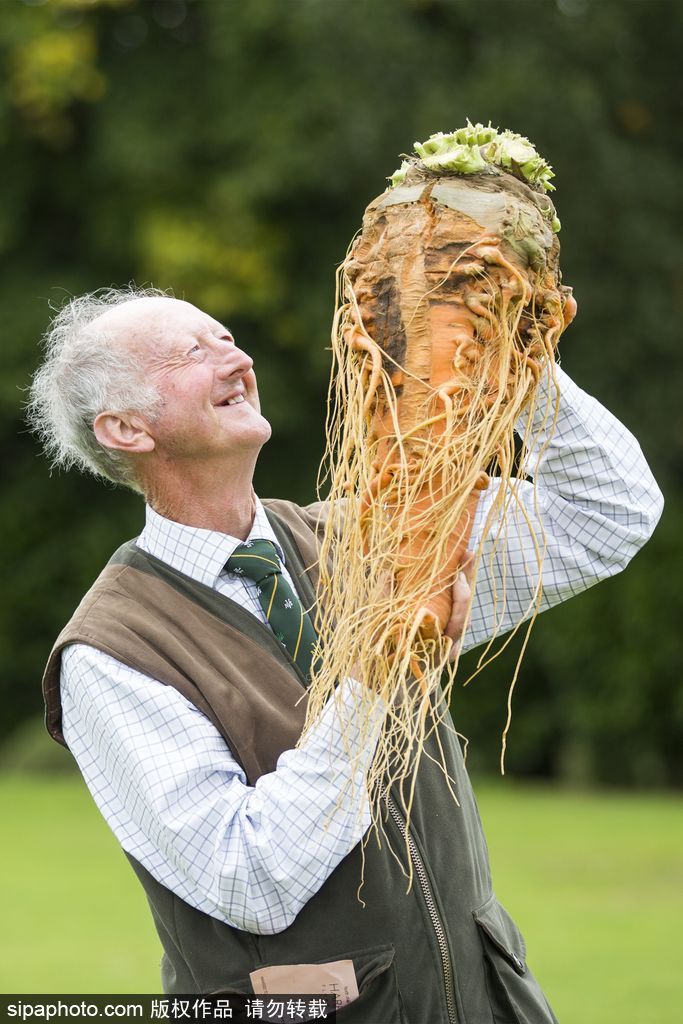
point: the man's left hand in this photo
(462, 593)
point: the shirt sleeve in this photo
(167, 784)
(592, 505)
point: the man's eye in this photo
(197, 348)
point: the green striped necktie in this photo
(259, 561)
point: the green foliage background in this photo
(227, 150)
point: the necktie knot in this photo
(255, 560)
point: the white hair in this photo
(82, 375)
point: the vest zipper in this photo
(439, 930)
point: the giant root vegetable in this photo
(449, 310)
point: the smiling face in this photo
(207, 385)
(209, 399)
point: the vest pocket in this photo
(514, 993)
(378, 994)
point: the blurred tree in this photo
(227, 151)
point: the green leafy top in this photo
(474, 148)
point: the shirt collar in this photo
(200, 554)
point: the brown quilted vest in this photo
(444, 953)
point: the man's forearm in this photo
(594, 459)
(591, 507)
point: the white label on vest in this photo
(338, 978)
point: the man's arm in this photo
(594, 504)
(169, 788)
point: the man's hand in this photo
(456, 623)
(461, 599)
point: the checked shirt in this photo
(164, 778)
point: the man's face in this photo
(210, 404)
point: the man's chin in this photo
(251, 420)
(268, 430)
(257, 433)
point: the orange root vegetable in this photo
(449, 310)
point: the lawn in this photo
(595, 881)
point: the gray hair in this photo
(82, 375)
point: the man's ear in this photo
(123, 431)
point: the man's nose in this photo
(234, 363)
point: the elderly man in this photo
(182, 707)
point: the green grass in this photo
(594, 880)
(75, 917)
